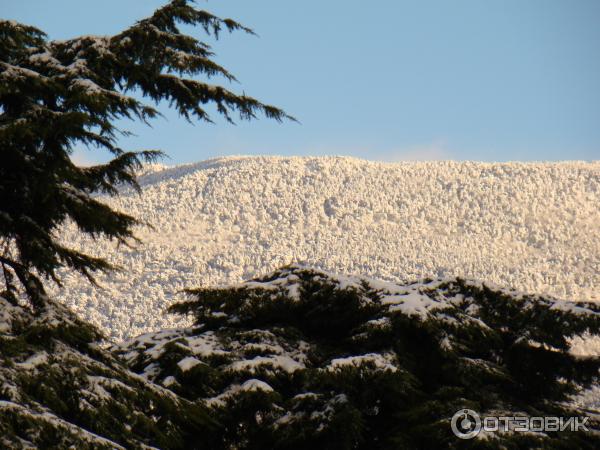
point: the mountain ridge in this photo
(531, 226)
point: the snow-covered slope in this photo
(534, 227)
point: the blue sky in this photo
(491, 80)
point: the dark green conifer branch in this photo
(55, 95)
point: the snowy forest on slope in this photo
(380, 300)
(529, 226)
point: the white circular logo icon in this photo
(466, 424)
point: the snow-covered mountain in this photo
(530, 226)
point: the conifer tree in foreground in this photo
(55, 95)
(303, 359)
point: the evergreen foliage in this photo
(59, 389)
(303, 359)
(55, 95)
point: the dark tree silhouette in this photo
(57, 94)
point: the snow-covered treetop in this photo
(304, 356)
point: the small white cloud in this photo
(436, 151)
